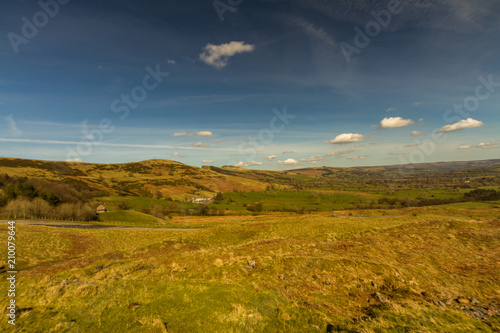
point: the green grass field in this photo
(313, 273)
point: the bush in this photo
(123, 205)
(255, 208)
(218, 198)
(482, 195)
(157, 211)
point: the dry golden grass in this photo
(311, 271)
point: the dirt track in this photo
(77, 225)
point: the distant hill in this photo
(144, 178)
(421, 167)
(165, 178)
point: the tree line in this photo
(31, 198)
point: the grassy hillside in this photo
(414, 270)
(311, 250)
(154, 177)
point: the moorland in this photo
(410, 248)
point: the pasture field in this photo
(419, 269)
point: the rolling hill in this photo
(165, 178)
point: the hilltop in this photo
(145, 178)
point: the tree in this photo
(218, 198)
(10, 192)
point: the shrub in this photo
(482, 195)
(123, 205)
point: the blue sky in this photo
(260, 84)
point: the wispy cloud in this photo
(207, 161)
(218, 55)
(200, 144)
(356, 157)
(390, 109)
(178, 155)
(313, 159)
(482, 145)
(314, 31)
(13, 126)
(182, 134)
(413, 145)
(416, 133)
(86, 135)
(106, 144)
(340, 153)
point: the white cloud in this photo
(288, 152)
(200, 144)
(487, 145)
(218, 55)
(289, 161)
(204, 133)
(347, 138)
(356, 157)
(13, 126)
(85, 131)
(105, 144)
(393, 122)
(178, 155)
(340, 153)
(482, 145)
(314, 31)
(271, 157)
(313, 159)
(246, 164)
(390, 109)
(182, 134)
(461, 125)
(74, 160)
(416, 133)
(413, 145)
(207, 161)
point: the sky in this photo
(261, 84)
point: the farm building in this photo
(101, 209)
(201, 200)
